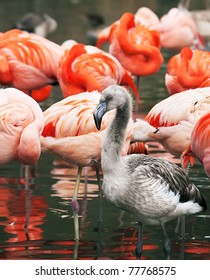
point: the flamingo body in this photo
(200, 142)
(21, 124)
(172, 120)
(188, 69)
(135, 46)
(178, 29)
(28, 61)
(87, 68)
(153, 190)
(143, 15)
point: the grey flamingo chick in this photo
(153, 190)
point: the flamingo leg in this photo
(138, 250)
(188, 168)
(137, 82)
(167, 243)
(75, 205)
(100, 200)
(100, 194)
(76, 247)
(182, 218)
(84, 200)
(27, 202)
(27, 175)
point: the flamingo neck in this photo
(115, 136)
(184, 74)
(148, 56)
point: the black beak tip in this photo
(97, 121)
(98, 114)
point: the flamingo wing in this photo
(21, 124)
(189, 106)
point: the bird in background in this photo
(21, 124)
(187, 70)
(143, 15)
(154, 191)
(178, 29)
(41, 24)
(95, 22)
(135, 46)
(200, 16)
(68, 44)
(171, 121)
(87, 68)
(147, 17)
(199, 146)
(28, 62)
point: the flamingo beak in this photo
(98, 114)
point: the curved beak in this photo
(98, 114)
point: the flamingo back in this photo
(73, 116)
(188, 69)
(30, 60)
(135, 46)
(188, 105)
(21, 124)
(87, 68)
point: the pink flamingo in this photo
(22, 122)
(135, 46)
(143, 15)
(87, 68)
(28, 61)
(147, 18)
(199, 144)
(188, 69)
(178, 29)
(171, 121)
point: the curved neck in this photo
(148, 53)
(66, 74)
(115, 135)
(185, 75)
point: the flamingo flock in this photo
(87, 75)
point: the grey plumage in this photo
(153, 190)
(41, 24)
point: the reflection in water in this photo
(21, 214)
(37, 223)
(197, 248)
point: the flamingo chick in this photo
(153, 190)
(70, 134)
